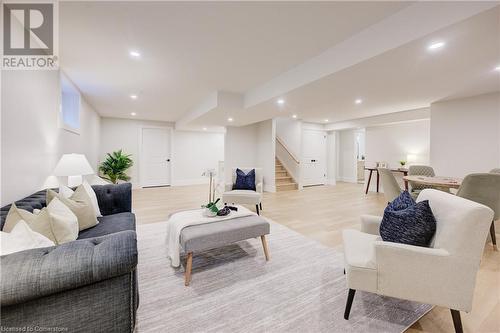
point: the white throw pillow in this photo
(22, 238)
(65, 191)
(93, 198)
(63, 221)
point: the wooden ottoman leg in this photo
(264, 245)
(189, 266)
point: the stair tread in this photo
(285, 184)
(284, 181)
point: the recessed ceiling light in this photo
(280, 101)
(133, 114)
(204, 128)
(436, 45)
(230, 119)
(326, 120)
(358, 101)
(133, 96)
(135, 54)
(497, 68)
(294, 116)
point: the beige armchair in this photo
(245, 197)
(443, 274)
(483, 188)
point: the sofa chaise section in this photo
(87, 285)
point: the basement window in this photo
(69, 115)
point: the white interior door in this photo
(155, 157)
(313, 157)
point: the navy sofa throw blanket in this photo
(244, 181)
(408, 222)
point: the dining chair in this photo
(419, 170)
(442, 274)
(389, 184)
(496, 170)
(483, 188)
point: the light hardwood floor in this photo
(321, 213)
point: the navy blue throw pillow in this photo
(414, 225)
(245, 181)
(403, 201)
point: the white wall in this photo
(240, 148)
(251, 146)
(332, 146)
(392, 143)
(192, 152)
(465, 135)
(31, 139)
(347, 156)
(266, 141)
(289, 130)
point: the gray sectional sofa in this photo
(88, 285)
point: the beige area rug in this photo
(233, 289)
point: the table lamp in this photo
(73, 166)
(411, 158)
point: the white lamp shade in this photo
(411, 158)
(73, 165)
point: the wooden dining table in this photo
(438, 182)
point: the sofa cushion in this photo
(22, 238)
(403, 201)
(244, 181)
(80, 204)
(415, 225)
(34, 201)
(110, 224)
(241, 197)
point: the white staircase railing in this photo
(282, 144)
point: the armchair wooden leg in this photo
(350, 298)
(257, 209)
(260, 205)
(457, 322)
(189, 266)
(493, 235)
(264, 246)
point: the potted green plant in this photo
(402, 163)
(114, 167)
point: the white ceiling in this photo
(192, 50)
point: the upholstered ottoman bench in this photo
(208, 236)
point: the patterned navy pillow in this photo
(403, 201)
(244, 181)
(414, 225)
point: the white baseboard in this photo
(269, 188)
(187, 182)
(348, 179)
